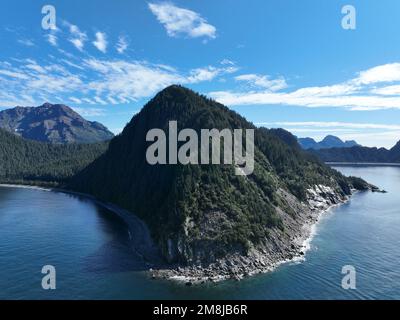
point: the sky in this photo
(279, 63)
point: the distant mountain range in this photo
(360, 154)
(55, 123)
(328, 142)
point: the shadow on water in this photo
(117, 254)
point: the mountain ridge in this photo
(330, 141)
(208, 222)
(53, 123)
(360, 154)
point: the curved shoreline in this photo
(144, 246)
(139, 234)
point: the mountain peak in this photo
(332, 138)
(47, 105)
(56, 123)
(175, 92)
(330, 141)
(194, 211)
(396, 147)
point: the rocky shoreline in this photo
(282, 247)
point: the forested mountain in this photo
(328, 142)
(32, 162)
(198, 213)
(55, 123)
(360, 154)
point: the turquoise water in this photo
(89, 248)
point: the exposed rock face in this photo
(206, 220)
(281, 246)
(55, 123)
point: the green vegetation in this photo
(29, 162)
(360, 154)
(199, 212)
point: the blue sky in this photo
(279, 63)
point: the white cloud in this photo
(178, 21)
(362, 93)
(77, 37)
(101, 42)
(263, 82)
(75, 100)
(203, 74)
(94, 81)
(383, 73)
(208, 73)
(227, 62)
(132, 80)
(30, 82)
(14, 74)
(34, 66)
(388, 91)
(333, 124)
(100, 100)
(112, 100)
(52, 39)
(367, 134)
(90, 112)
(26, 42)
(88, 100)
(355, 103)
(386, 139)
(122, 44)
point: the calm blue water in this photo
(89, 247)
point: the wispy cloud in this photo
(264, 82)
(332, 124)
(368, 90)
(225, 62)
(384, 73)
(101, 42)
(368, 134)
(29, 81)
(26, 42)
(208, 73)
(122, 44)
(77, 37)
(99, 100)
(14, 74)
(75, 100)
(52, 36)
(179, 21)
(94, 81)
(90, 112)
(52, 39)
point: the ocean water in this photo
(89, 247)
